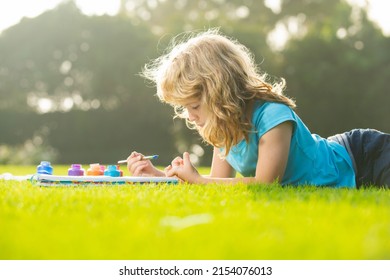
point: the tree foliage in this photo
(70, 82)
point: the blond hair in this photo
(221, 73)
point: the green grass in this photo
(190, 221)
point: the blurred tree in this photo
(64, 59)
(75, 77)
(70, 81)
(337, 70)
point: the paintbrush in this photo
(143, 158)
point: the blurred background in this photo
(70, 90)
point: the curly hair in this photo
(222, 74)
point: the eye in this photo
(195, 107)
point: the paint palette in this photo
(54, 180)
(96, 175)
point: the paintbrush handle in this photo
(143, 158)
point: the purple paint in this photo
(76, 170)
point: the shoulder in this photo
(271, 107)
(267, 115)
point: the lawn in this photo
(190, 221)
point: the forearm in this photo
(159, 173)
(245, 180)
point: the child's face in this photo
(197, 112)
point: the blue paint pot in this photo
(112, 170)
(45, 168)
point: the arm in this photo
(273, 153)
(220, 167)
(274, 148)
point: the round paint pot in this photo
(112, 170)
(95, 170)
(45, 168)
(76, 170)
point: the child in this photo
(213, 83)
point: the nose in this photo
(191, 116)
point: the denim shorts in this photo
(369, 150)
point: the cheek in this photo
(205, 114)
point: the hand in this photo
(183, 169)
(138, 166)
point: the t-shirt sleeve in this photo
(270, 115)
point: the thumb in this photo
(169, 171)
(186, 158)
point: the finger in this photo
(130, 164)
(170, 171)
(135, 154)
(133, 164)
(132, 155)
(166, 170)
(138, 171)
(186, 158)
(177, 161)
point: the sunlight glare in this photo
(11, 12)
(99, 7)
(274, 5)
(379, 12)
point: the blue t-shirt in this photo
(312, 160)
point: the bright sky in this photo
(12, 11)
(379, 12)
